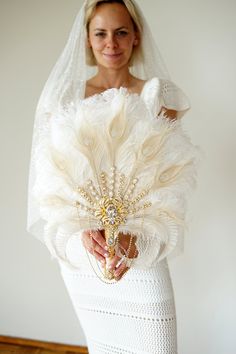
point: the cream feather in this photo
(153, 158)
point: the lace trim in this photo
(149, 89)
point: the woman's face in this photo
(112, 36)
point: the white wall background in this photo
(197, 39)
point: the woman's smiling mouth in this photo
(112, 56)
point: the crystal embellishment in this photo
(111, 203)
(111, 209)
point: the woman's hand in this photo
(124, 241)
(95, 244)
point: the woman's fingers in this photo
(98, 237)
(93, 247)
(98, 249)
(99, 257)
(113, 262)
(120, 271)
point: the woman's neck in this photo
(107, 78)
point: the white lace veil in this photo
(67, 82)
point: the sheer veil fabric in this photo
(66, 83)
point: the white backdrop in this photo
(197, 40)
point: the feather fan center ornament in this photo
(111, 165)
(112, 207)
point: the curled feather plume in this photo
(115, 151)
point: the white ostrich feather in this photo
(122, 134)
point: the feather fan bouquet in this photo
(110, 164)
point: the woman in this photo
(110, 48)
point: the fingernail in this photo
(106, 254)
(110, 266)
(106, 248)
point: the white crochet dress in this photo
(137, 314)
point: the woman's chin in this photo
(114, 65)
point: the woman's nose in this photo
(111, 41)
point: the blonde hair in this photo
(91, 7)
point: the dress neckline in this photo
(115, 89)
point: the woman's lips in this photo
(112, 56)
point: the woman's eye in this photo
(119, 33)
(100, 34)
(122, 33)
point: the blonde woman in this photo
(111, 48)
